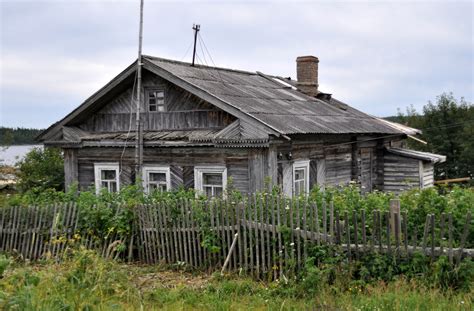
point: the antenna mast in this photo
(196, 29)
(138, 125)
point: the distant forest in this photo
(18, 136)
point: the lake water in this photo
(12, 154)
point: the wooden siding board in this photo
(180, 160)
(70, 167)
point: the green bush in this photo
(41, 169)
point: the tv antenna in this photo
(196, 29)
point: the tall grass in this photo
(85, 281)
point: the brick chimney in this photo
(307, 74)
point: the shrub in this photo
(41, 169)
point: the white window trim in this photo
(155, 169)
(302, 164)
(199, 170)
(98, 167)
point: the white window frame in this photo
(99, 167)
(147, 169)
(298, 165)
(198, 180)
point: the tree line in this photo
(18, 136)
(448, 129)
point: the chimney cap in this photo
(307, 58)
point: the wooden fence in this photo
(271, 236)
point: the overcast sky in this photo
(375, 56)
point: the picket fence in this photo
(263, 235)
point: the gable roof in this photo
(259, 100)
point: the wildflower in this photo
(292, 244)
(287, 207)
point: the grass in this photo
(87, 282)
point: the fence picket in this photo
(465, 233)
(273, 234)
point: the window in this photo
(106, 177)
(300, 177)
(156, 100)
(156, 178)
(210, 181)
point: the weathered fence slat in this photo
(272, 235)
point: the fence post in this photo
(395, 221)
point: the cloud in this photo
(376, 56)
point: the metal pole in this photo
(138, 128)
(196, 29)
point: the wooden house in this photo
(206, 126)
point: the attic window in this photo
(155, 100)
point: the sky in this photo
(378, 56)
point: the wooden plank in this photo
(220, 223)
(192, 232)
(267, 211)
(184, 233)
(356, 237)
(261, 221)
(432, 225)
(389, 246)
(316, 218)
(249, 214)
(338, 228)
(442, 230)
(379, 230)
(374, 230)
(405, 231)
(397, 234)
(325, 221)
(245, 250)
(364, 238)
(213, 257)
(280, 250)
(425, 233)
(298, 234)
(450, 237)
(153, 209)
(292, 226)
(331, 222)
(305, 230)
(164, 234)
(464, 236)
(257, 248)
(348, 235)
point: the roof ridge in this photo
(173, 61)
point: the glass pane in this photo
(160, 102)
(152, 187)
(157, 177)
(113, 186)
(161, 108)
(162, 187)
(299, 174)
(107, 174)
(160, 94)
(297, 188)
(208, 191)
(152, 101)
(217, 191)
(212, 179)
(104, 184)
(152, 108)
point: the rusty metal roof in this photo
(275, 104)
